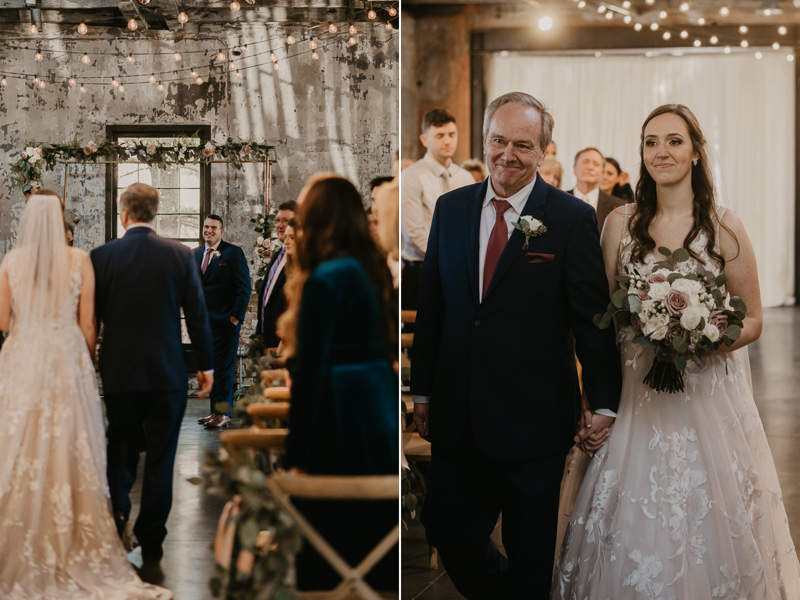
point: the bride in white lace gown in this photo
(683, 501)
(57, 536)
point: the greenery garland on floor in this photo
(28, 166)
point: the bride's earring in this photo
(694, 162)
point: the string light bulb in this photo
(684, 34)
(667, 35)
(654, 27)
(194, 73)
(727, 50)
(236, 6)
(276, 66)
(626, 4)
(714, 39)
(221, 56)
(238, 75)
(697, 43)
(130, 59)
(315, 56)
(601, 9)
(71, 81)
(767, 12)
(34, 29)
(4, 82)
(332, 28)
(152, 78)
(776, 46)
(352, 41)
(312, 44)
(83, 89)
(743, 29)
(290, 40)
(701, 21)
(114, 82)
(393, 12)
(662, 14)
(758, 55)
(85, 59)
(42, 84)
(581, 4)
(372, 15)
(160, 87)
(83, 29)
(199, 80)
(35, 79)
(790, 57)
(122, 89)
(650, 2)
(684, 6)
(389, 25)
(272, 57)
(177, 56)
(39, 56)
(744, 44)
(353, 30)
(133, 25)
(782, 30)
(637, 27)
(724, 11)
(183, 17)
(627, 19)
(231, 66)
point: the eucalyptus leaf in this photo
(605, 321)
(673, 276)
(195, 480)
(679, 344)
(721, 280)
(618, 299)
(733, 333)
(680, 363)
(635, 304)
(641, 340)
(662, 264)
(738, 304)
(681, 255)
(665, 251)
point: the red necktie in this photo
(207, 257)
(497, 241)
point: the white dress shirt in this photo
(421, 185)
(512, 215)
(590, 198)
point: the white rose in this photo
(659, 291)
(690, 318)
(711, 332)
(656, 327)
(259, 239)
(704, 312)
(688, 286)
(664, 272)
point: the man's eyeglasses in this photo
(521, 148)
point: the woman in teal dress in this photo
(340, 331)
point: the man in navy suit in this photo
(271, 299)
(493, 376)
(143, 281)
(226, 283)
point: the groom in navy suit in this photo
(493, 377)
(143, 281)
(226, 283)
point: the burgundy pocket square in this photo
(535, 257)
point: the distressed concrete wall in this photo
(339, 113)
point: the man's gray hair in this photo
(141, 202)
(528, 101)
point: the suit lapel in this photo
(472, 213)
(534, 207)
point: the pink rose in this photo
(208, 151)
(656, 278)
(246, 149)
(674, 328)
(643, 295)
(23, 156)
(676, 302)
(90, 148)
(151, 149)
(720, 321)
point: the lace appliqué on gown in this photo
(683, 502)
(57, 537)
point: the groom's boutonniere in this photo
(216, 254)
(530, 227)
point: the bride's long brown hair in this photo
(333, 224)
(704, 202)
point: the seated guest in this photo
(271, 301)
(340, 334)
(615, 181)
(551, 171)
(588, 169)
(476, 168)
(387, 197)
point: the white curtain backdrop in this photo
(746, 111)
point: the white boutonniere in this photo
(216, 254)
(530, 227)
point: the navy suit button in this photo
(477, 323)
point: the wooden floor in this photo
(774, 361)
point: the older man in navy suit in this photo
(226, 283)
(494, 377)
(143, 281)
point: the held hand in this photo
(234, 320)
(206, 383)
(594, 433)
(421, 419)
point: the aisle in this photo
(188, 561)
(774, 361)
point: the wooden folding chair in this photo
(235, 440)
(277, 361)
(277, 393)
(261, 411)
(415, 450)
(408, 316)
(344, 487)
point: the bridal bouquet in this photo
(684, 317)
